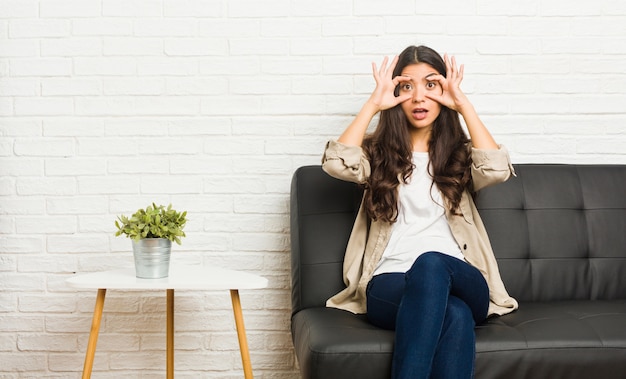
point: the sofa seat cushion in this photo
(569, 339)
(335, 344)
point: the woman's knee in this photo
(428, 263)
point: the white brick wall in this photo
(108, 105)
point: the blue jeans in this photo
(433, 308)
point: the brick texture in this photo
(108, 105)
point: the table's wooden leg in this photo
(170, 334)
(241, 334)
(93, 334)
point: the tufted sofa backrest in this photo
(558, 232)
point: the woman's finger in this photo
(392, 66)
(453, 65)
(438, 77)
(383, 72)
(383, 67)
(375, 72)
(456, 71)
(460, 74)
(401, 79)
(446, 61)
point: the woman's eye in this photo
(407, 87)
(431, 85)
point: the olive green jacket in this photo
(369, 238)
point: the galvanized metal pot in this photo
(152, 257)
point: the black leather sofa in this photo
(559, 234)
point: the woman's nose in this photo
(418, 95)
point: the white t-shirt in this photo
(421, 225)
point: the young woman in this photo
(419, 260)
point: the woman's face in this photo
(420, 110)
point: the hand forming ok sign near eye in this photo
(384, 94)
(451, 96)
(382, 98)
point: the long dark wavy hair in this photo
(390, 150)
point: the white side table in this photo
(181, 277)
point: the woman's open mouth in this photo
(419, 113)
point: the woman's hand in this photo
(451, 96)
(384, 96)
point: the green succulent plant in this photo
(153, 222)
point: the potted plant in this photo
(152, 231)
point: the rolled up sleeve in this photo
(345, 162)
(490, 167)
